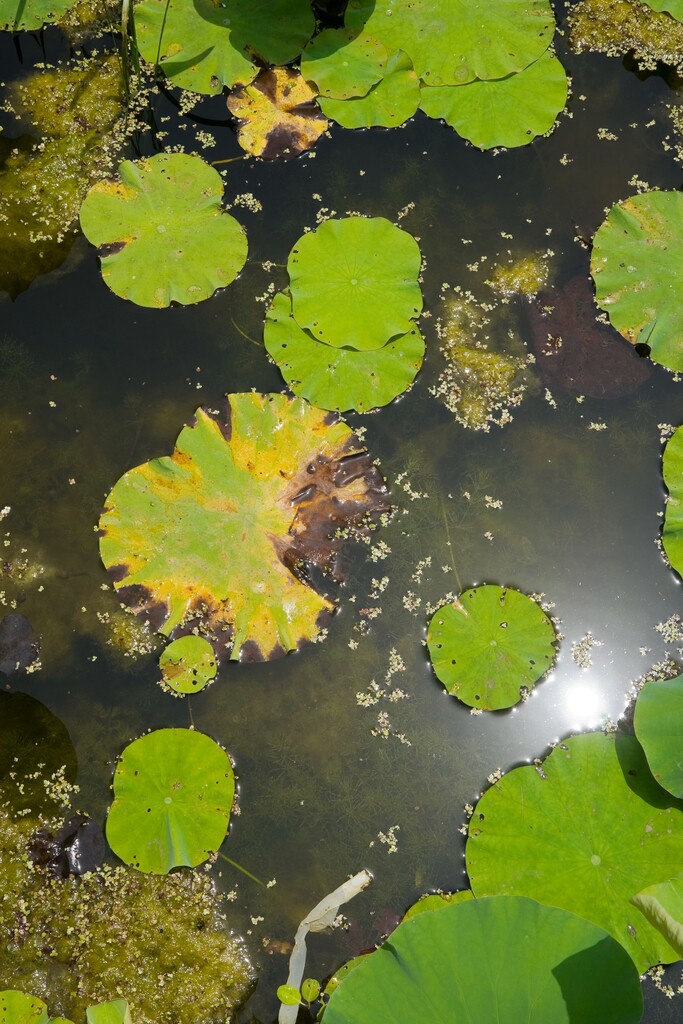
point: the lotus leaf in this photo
(388, 104)
(509, 111)
(113, 1012)
(437, 901)
(490, 645)
(340, 378)
(18, 1008)
(343, 65)
(27, 15)
(220, 530)
(173, 792)
(188, 664)
(504, 959)
(637, 266)
(277, 114)
(662, 905)
(586, 832)
(672, 7)
(658, 722)
(354, 282)
(451, 42)
(161, 233)
(672, 534)
(205, 44)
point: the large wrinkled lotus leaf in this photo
(587, 832)
(173, 792)
(662, 905)
(637, 266)
(508, 111)
(115, 1011)
(658, 722)
(219, 532)
(28, 15)
(451, 42)
(343, 65)
(161, 233)
(340, 378)
(203, 45)
(490, 646)
(188, 664)
(388, 104)
(354, 282)
(277, 114)
(502, 959)
(672, 7)
(672, 467)
(18, 1008)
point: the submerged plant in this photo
(618, 27)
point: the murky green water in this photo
(92, 386)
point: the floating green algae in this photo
(161, 942)
(76, 109)
(522, 275)
(616, 27)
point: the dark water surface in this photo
(93, 385)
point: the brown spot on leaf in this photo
(110, 249)
(117, 572)
(141, 601)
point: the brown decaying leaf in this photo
(277, 114)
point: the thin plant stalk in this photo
(130, 57)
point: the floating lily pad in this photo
(490, 646)
(672, 467)
(503, 959)
(509, 111)
(672, 7)
(188, 664)
(339, 378)
(204, 45)
(451, 42)
(173, 792)
(343, 65)
(586, 833)
(18, 1008)
(354, 282)
(277, 114)
(658, 722)
(388, 104)
(637, 266)
(437, 901)
(115, 1011)
(662, 905)
(220, 531)
(28, 15)
(161, 233)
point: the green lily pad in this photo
(672, 533)
(188, 664)
(662, 905)
(342, 64)
(451, 42)
(173, 793)
(28, 15)
(658, 722)
(218, 533)
(437, 901)
(587, 832)
(115, 1011)
(354, 282)
(161, 232)
(388, 104)
(672, 7)
(637, 266)
(508, 111)
(205, 45)
(18, 1008)
(490, 646)
(503, 959)
(339, 378)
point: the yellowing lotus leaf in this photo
(277, 114)
(217, 535)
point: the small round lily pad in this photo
(340, 378)
(637, 266)
(509, 111)
(28, 15)
(658, 722)
(354, 282)
(388, 104)
(161, 233)
(173, 792)
(342, 64)
(188, 664)
(277, 114)
(490, 646)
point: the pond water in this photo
(92, 385)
